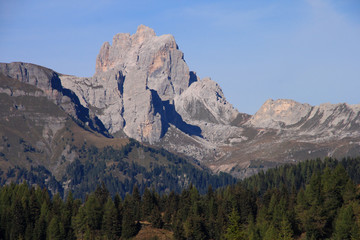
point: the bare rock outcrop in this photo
(135, 78)
(49, 82)
(295, 117)
(142, 88)
(279, 113)
(205, 101)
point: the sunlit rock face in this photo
(135, 76)
(326, 119)
(142, 86)
(279, 113)
(143, 89)
(205, 101)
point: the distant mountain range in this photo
(144, 90)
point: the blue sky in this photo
(306, 50)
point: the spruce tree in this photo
(155, 219)
(136, 203)
(130, 226)
(344, 224)
(56, 229)
(271, 233)
(147, 204)
(234, 230)
(110, 223)
(93, 214)
(285, 233)
(18, 225)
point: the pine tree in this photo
(79, 223)
(119, 213)
(18, 225)
(344, 223)
(155, 219)
(315, 218)
(195, 228)
(130, 226)
(285, 233)
(67, 215)
(234, 230)
(40, 229)
(34, 208)
(102, 194)
(136, 203)
(55, 229)
(271, 233)
(93, 214)
(178, 228)
(349, 193)
(253, 232)
(110, 223)
(147, 204)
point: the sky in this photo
(305, 50)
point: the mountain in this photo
(143, 89)
(49, 138)
(287, 131)
(136, 80)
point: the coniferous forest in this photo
(315, 199)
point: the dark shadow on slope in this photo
(82, 112)
(193, 78)
(159, 108)
(120, 81)
(176, 119)
(169, 115)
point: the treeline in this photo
(298, 175)
(120, 170)
(325, 205)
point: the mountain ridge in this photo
(143, 89)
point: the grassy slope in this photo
(34, 131)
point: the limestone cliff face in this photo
(279, 113)
(142, 88)
(327, 119)
(49, 82)
(137, 77)
(157, 57)
(205, 101)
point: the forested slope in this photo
(119, 169)
(321, 202)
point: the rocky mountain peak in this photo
(48, 81)
(279, 113)
(143, 89)
(142, 34)
(205, 101)
(322, 120)
(137, 77)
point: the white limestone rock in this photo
(279, 113)
(205, 101)
(134, 76)
(302, 119)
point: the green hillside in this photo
(42, 144)
(327, 207)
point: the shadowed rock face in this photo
(49, 82)
(143, 88)
(133, 71)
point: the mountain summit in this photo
(136, 83)
(143, 89)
